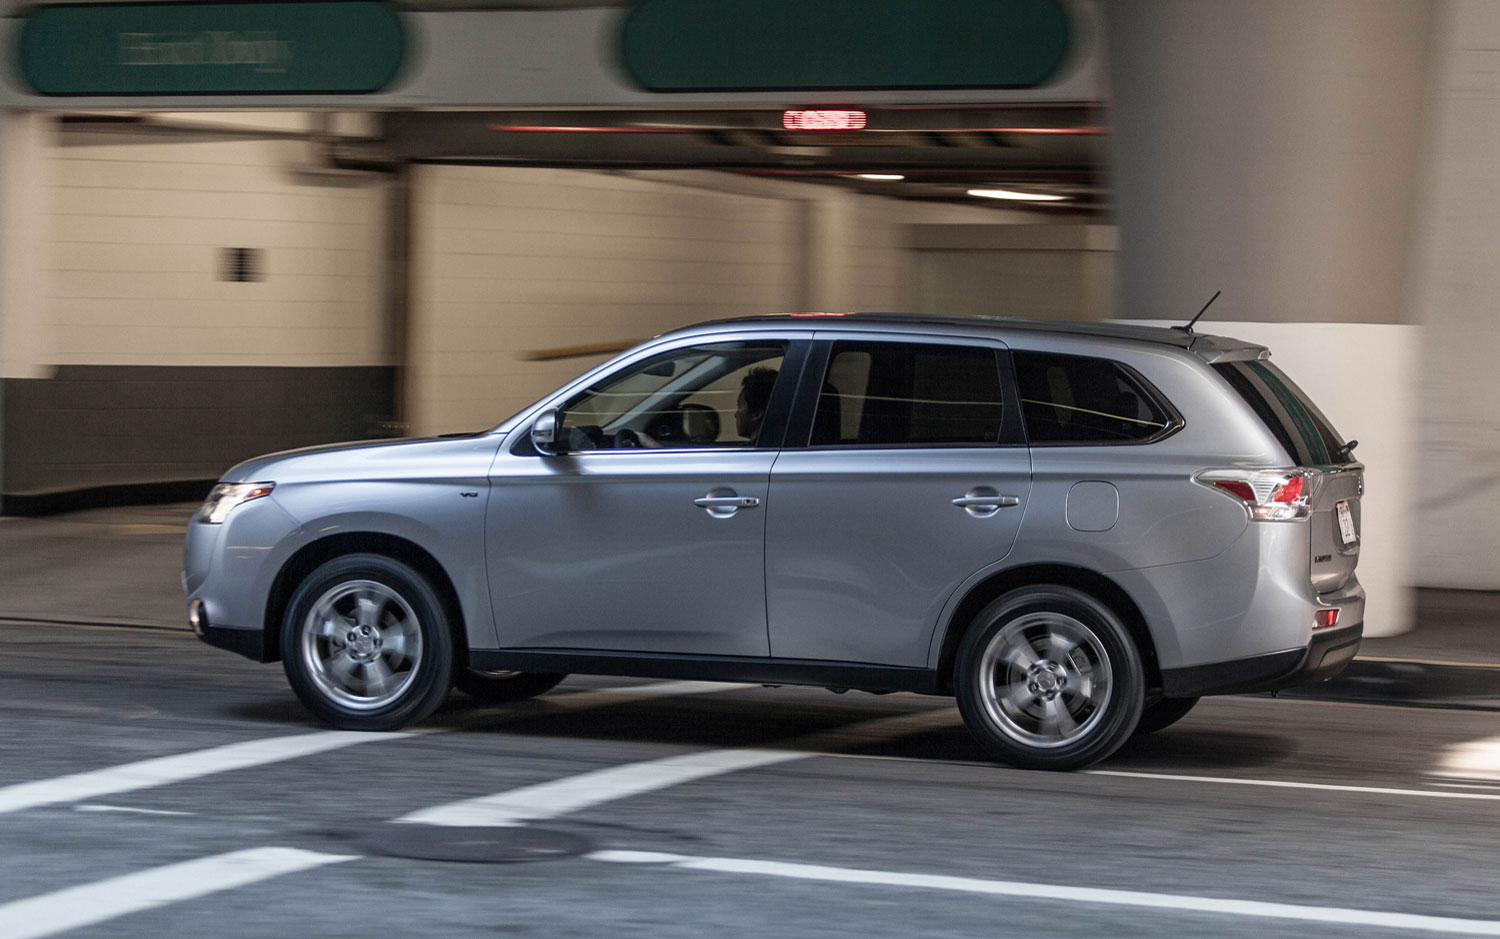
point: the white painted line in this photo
(1477, 761)
(162, 771)
(1288, 784)
(1033, 891)
(97, 807)
(575, 793)
(75, 907)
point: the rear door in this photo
(1309, 438)
(903, 474)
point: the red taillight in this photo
(1325, 618)
(1268, 495)
(1237, 487)
(1289, 491)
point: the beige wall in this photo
(509, 261)
(137, 226)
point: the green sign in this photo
(843, 45)
(331, 47)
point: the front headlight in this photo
(225, 496)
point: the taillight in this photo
(1322, 619)
(1267, 495)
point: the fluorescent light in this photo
(884, 177)
(1017, 196)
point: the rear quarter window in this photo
(1075, 399)
(1288, 413)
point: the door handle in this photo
(727, 502)
(988, 502)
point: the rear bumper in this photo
(1323, 658)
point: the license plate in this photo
(1347, 534)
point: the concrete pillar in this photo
(1268, 148)
(1453, 295)
(24, 138)
(24, 210)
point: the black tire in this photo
(1163, 713)
(366, 645)
(1047, 677)
(500, 687)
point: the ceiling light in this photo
(881, 177)
(1017, 196)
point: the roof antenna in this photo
(1189, 327)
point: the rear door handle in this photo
(988, 502)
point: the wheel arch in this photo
(1079, 578)
(310, 556)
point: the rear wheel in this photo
(1163, 713)
(366, 645)
(1047, 677)
(499, 687)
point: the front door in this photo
(647, 534)
(913, 478)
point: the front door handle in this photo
(727, 502)
(723, 502)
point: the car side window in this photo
(1075, 399)
(712, 395)
(908, 394)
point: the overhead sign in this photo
(843, 45)
(322, 47)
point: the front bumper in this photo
(1322, 658)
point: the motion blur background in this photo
(223, 234)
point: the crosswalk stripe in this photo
(575, 793)
(85, 905)
(1222, 906)
(164, 770)
(160, 771)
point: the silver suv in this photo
(1074, 529)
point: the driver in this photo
(755, 394)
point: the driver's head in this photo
(755, 394)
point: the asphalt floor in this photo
(121, 566)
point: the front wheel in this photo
(366, 645)
(1047, 677)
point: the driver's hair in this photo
(756, 387)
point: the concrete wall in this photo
(127, 355)
(506, 262)
(138, 229)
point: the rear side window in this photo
(1287, 412)
(904, 394)
(1084, 400)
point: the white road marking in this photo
(148, 774)
(97, 807)
(575, 793)
(1477, 761)
(161, 771)
(1288, 784)
(1034, 891)
(85, 905)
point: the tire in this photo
(366, 645)
(1047, 677)
(1163, 713)
(500, 687)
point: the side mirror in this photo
(544, 431)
